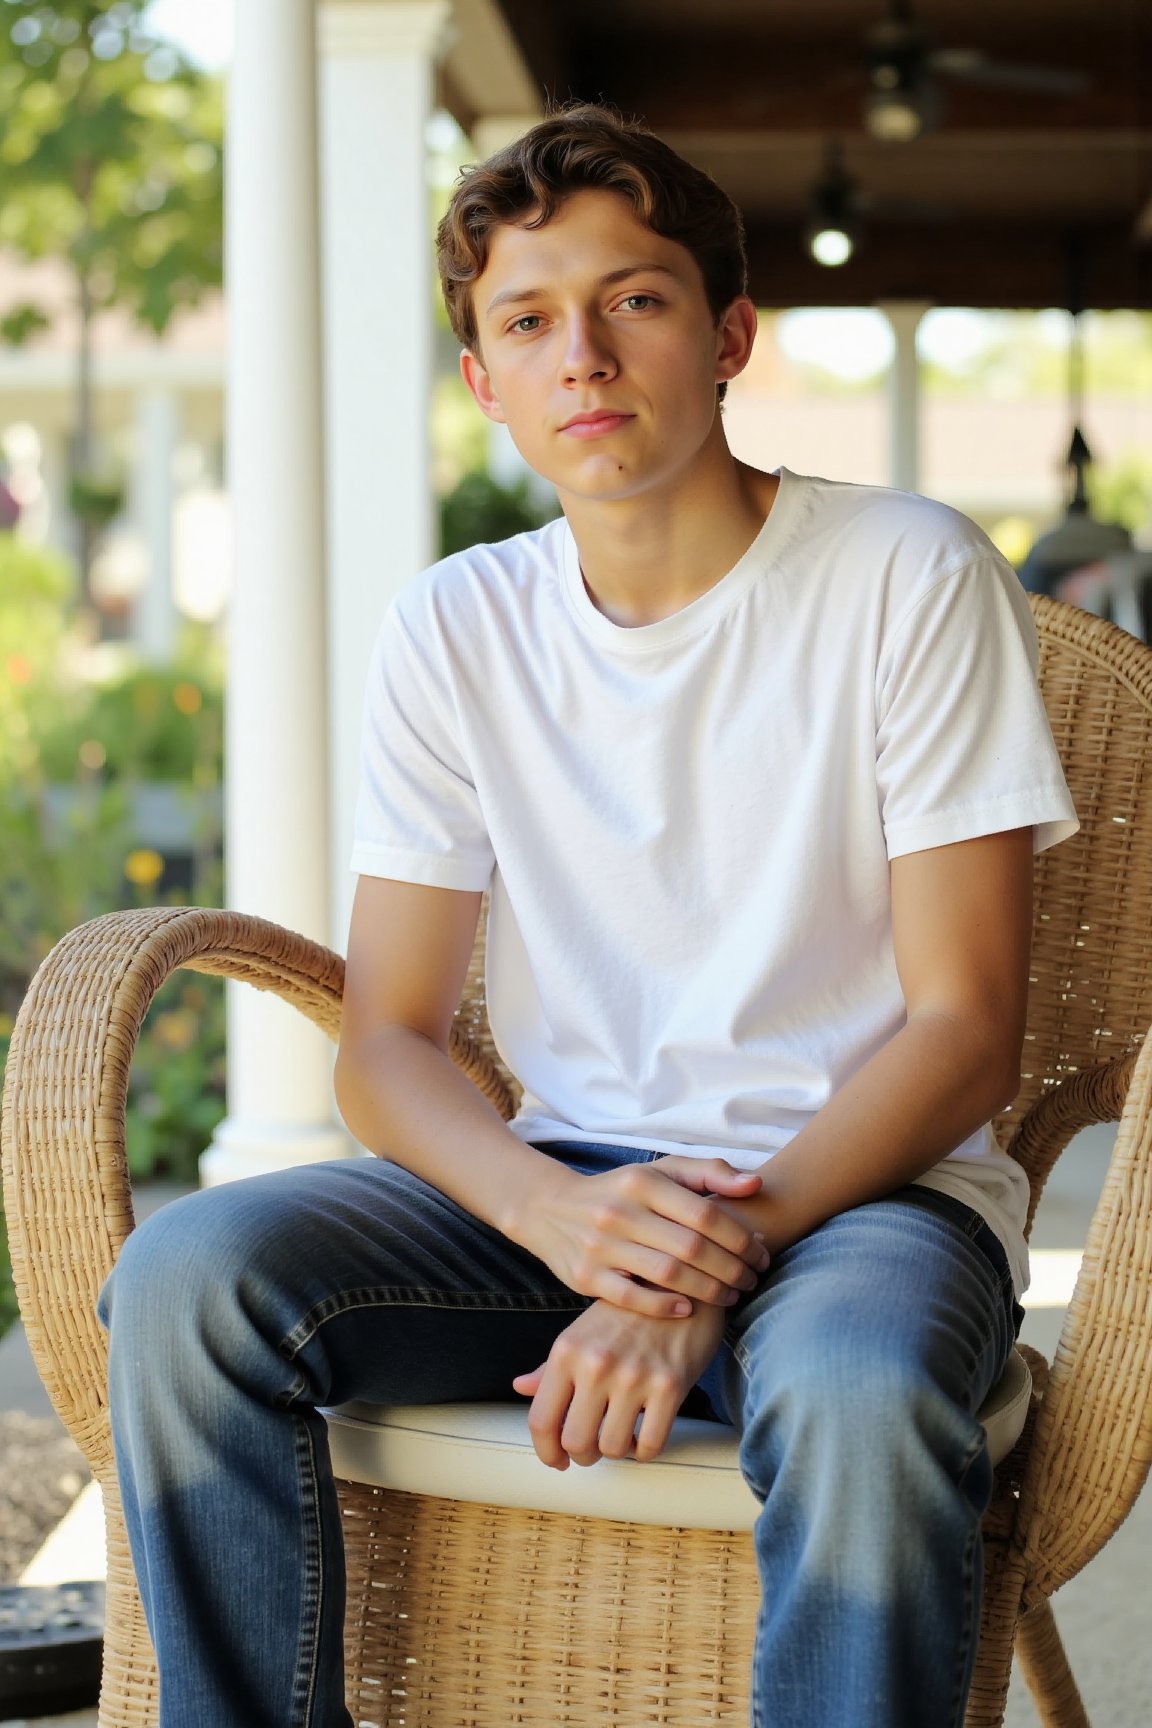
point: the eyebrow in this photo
(516, 296)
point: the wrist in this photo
(532, 1194)
(766, 1213)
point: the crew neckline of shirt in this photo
(702, 612)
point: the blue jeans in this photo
(851, 1372)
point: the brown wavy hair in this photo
(579, 148)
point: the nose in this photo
(587, 352)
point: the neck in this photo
(652, 554)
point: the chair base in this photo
(484, 1616)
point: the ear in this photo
(480, 385)
(735, 334)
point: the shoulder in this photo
(488, 580)
(905, 526)
(893, 547)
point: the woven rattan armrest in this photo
(1092, 1447)
(67, 1196)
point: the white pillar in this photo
(152, 507)
(276, 794)
(378, 59)
(904, 394)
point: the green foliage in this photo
(47, 887)
(1122, 491)
(21, 323)
(1023, 358)
(36, 587)
(98, 499)
(111, 154)
(8, 1312)
(176, 1087)
(478, 510)
(72, 758)
(153, 723)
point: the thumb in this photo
(719, 1170)
(529, 1384)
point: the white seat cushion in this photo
(484, 1453)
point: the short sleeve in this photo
(418, 818)
(963, 744)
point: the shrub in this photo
(479, 509)
(73, 758)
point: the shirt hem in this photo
(1045, 811)
(429, 872)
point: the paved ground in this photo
(1102, 1615)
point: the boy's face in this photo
(595, 315)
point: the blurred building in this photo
(158, 412)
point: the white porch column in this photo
(152, 506)
(276, 795)
(377, 65)
(904, 394)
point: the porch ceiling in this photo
(755, 90)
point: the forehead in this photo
(592, 234)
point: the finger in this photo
(708, 1175)
(681, 1206)
(667, 1272)
(617, 1437)
(529, 1384)
(684, 1255)
(546, 1416)
(659, 1415)
(580, 1434)
(624, 1292)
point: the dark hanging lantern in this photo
(1080, 538)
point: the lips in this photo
(595, 423)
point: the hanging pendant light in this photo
(1080, 538)
(832, 231)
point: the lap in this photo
(318, 1255)
(907, 1291)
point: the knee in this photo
(839, 1413)
(170, 1266)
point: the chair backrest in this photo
(1090, 998)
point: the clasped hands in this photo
(664, 1261)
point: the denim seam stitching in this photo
(959, 1695)
(304, 1682)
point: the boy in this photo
(754, 767)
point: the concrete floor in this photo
(1102, 1615)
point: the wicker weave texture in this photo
(1091, 994)
(482, 1617)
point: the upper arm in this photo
(408, 951)
(962, 934)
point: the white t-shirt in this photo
(686, 825)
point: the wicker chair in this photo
(476, 1614)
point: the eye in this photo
(646, 300)
(526, 324)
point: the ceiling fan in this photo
(903, 69)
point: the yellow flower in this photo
(144, 867)
(187, 698)
(176, 1029)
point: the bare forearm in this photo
(918, 1098)
(618, 1236)
(406, 1100)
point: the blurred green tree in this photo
(111, 159)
